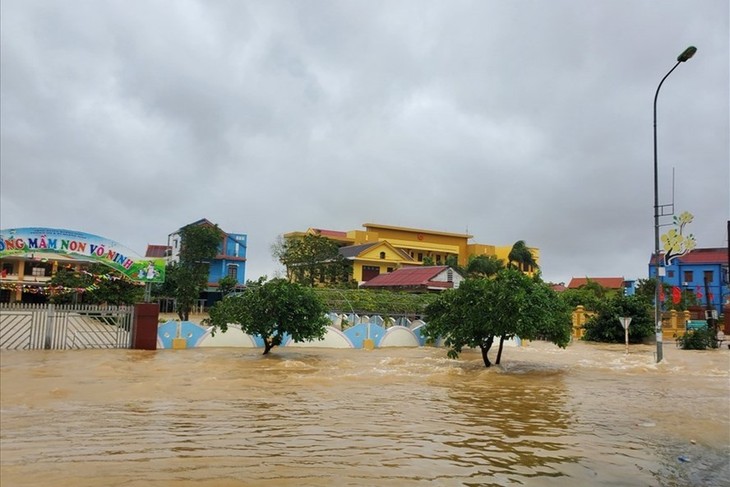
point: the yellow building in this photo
(383, 248)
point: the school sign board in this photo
(38, 240)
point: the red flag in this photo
(676, 295)
(661, 294)
(698, 292)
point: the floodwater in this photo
(588, 415)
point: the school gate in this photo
(65, 327)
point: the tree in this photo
(605, 326)
(187, 278)
(227, 285)
(699, 339)
(484, 266)
(98, 284)
(521, 257)
(511, 304)
(645, 289)
(312, 259)
(453, 262)
(590, 297)
(271, 310)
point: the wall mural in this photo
(675, 243)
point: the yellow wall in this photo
(426, 242)
(673, 323)
(414, 241)
(390, 259)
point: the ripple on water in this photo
(581, 416)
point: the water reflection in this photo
(512, 427)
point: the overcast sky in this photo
(512, 120)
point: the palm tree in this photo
(521, 257)
(484, 265)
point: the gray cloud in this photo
(515, 120)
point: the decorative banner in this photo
(676, 295)
(34, 240)
(675, 243)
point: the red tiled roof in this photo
(330, 233)
(607, 282)
(700, 256)
(156, 250)
(705, 256)
(409, 277)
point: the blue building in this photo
(229, 262)
(702, 271)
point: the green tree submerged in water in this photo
(700, 339)
(271, 310)
(187, 278)
(605, 326)
(511, 304)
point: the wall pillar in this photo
(146, 320)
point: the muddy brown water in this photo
(587, 415)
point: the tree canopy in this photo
(588, 296)
(521, 256)
(484, 266)
(187, 278)
(312, 259)
(605, 326)
(98, 284)
(511, 304)
(271, 310)
(227, 285)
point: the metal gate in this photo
(64, 327)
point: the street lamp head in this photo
(687, 54)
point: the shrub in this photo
(700, 339)
(605, 326)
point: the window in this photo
(420, 257)
(670, 273)
(7, 268)
(37, 269)
(708, 276)
(382, 255)
(389, 269)
(450, 275)
(688, 276)
(232, 271)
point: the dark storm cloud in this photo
(512, 120)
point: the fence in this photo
(673, 322)
(64, 327)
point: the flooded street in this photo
(588, 415)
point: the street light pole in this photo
(685, 56)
